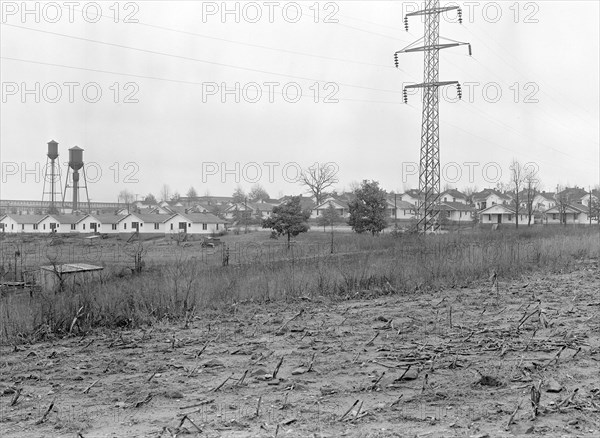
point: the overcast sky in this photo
(530, 92)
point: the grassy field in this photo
(180, 279)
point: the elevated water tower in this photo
(75, 165)
(52, 177)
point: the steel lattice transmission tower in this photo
(429, 165)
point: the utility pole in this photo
(429, 166)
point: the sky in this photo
(216, 94)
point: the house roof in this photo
(570, 208)
(152, 218)
(401, 205)
(108, 218)
(572, 193)
(339, 202)
(413, 193)
(503, 207)
(67, 218)
(306, 203)
(486, 193)
(27, 218)
(456, 206)
(453, 193)
(203, 218)
(546, 195)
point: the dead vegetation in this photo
(464, 361)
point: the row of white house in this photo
(191, 223)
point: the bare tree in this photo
(319, 178)
(532, 188)
(127, 197)
(469, 191)
(192, 195)
(517, 178)
(165, 192)
(562, 199)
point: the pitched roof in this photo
(456, 206)
(506, 209)
(27, 218)
(341, 202)
(108, 218)
(413, 193)
(68, 218)
(486, 193)
(570, 208)
(400, 205)
(153, 218)
(572, 193)
(454, 194)
(204, 218)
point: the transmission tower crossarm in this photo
(431, 47)
(432, 84)
(433, 11)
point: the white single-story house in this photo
(195, 223)
(572, 214)
(16, 223)
(457, 212)
(401, 210)
(340, 206)
(61, 223)
(255, 210)
(500, 214)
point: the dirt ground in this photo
(455, 363)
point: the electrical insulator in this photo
(470, 52)
(405, 96)
(460, 16)
(406, 23)
(459, 91)
(396, 59)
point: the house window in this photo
(554, 217)
(171, 226)
(489, 217)
(125, 226)
(72, 226)
(204, 227)
(156, 226)
(510, 217)
(44, 227)
(35, 226)
(84, 226)
(217, 226)
(114, 226)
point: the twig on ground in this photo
(16, 397)
(222, 383)
(86, 390)
(512, 416)
(348, 411)
(277, 367)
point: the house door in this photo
(93, 226)
(135, 226)
(183, 226)
(499, 218)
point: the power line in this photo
(187, 58)
(154, 78)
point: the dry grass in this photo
(262, 270)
